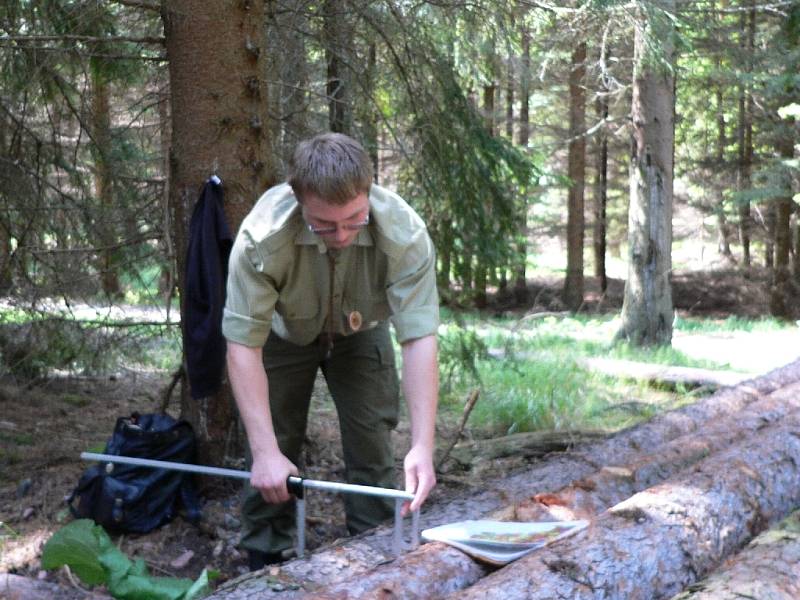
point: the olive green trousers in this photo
(362, 378)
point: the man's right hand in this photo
(269, 474)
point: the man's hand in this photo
(420, 477)
(269, 474)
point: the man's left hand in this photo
(420, 477)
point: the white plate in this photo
(484, 539)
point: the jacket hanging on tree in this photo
(210, 245)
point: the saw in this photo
(296, 486)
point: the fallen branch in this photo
(688, 376)
(528, 444)
(177, 376)
(468, 406)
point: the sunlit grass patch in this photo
(730, 324)
(532, 375)
(554, 393)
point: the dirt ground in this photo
(45, 425)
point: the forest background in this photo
(502, 123)
(495, 120)
(587, 145)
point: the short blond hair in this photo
(331, 166)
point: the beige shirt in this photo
(280, 274)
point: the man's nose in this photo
(341, 234)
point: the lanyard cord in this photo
(331, 274)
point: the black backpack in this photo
(127, 498)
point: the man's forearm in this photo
(421, 389)
(250, 389)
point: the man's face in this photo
(337, 224)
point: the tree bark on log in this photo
(767, 569)
(347, 558)
(656, 543)
(587, 497)
(440, 572)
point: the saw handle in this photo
(295, 486)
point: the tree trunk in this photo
(521, 295)
(768, 567)
(168, 279)
(782, 302)
(337, 89)
(601, 193)
(657, 542)
(445, 252)
(480, 299)
(103, 184)
(723, 240)
(770, 213)
(745, 135)
(647, 310)
(370, 116)
(510, 98)
(503, 293)
(354, 558)
(573, 285)
(218, 126)
(488, 107)
(796, 254)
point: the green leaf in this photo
(116, 564)
(79, 545)
(200, 587)
(145, 587)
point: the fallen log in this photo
(665, 374)
(589, 496)
(768, 568)
(356, 555)
(528, 444)
(413, 576)
(656, 543)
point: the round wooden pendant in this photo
(355, 320)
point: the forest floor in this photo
(45, 425)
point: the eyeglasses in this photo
(334, 229)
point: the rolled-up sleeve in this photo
(251, 295)
(411, 290)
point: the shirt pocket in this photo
(364, 311)
(297, 306)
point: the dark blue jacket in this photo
(210, 245)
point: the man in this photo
(317, 268)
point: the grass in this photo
(728, 324)
(531, 377)
(529, 370)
